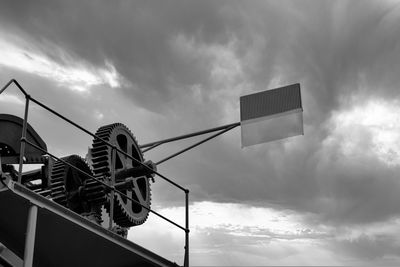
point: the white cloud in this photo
(98, 115)
(232, 234)
(232, 228)
(370, 128)
(11, 99)
(73, 73)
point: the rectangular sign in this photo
(271, 115)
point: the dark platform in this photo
(64, 238)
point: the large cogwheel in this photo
(73, 189)
(127, 213)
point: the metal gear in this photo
(73, 189)
(127, 213)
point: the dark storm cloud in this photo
(335, 49)
(329, 46)
(135, 36)
(171, 56)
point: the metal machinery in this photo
(114, 178)
(67, 186)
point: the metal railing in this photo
(111, 186)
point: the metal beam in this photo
(4, 262)
(23, 137)
(186, 257)
(185, 136)
(30, 236)
(16, 83)
(230, 127)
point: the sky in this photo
(166, 68)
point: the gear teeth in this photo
(44, 193)
(58, 192)
(100, 147)
(57, 189)
(101, 165)
(101, 171)
(122, 218)
(99, 155)
(95, 192)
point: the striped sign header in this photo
(270, 102)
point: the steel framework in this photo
(30, 237)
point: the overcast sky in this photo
(165, 68)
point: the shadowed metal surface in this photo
(64, 238)
(10, 137)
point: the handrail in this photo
(106, 143)
(100, 181)
(24, 141)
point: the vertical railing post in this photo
(23, 138)
(112, 193)
(186, 260)
(30, 236)
(1, 169)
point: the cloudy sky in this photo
(165, 68)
